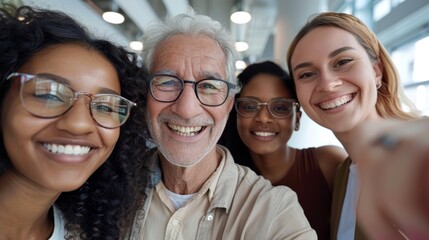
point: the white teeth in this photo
(67, 149)
(264, 134)
(185, 131)
(335, 103)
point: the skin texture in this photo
(330, 67)
(39, 174)
(191, 58)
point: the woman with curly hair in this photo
(72, 129)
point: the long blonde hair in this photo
(391, 95)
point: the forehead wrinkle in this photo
(195, 62)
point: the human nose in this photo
(263, 115)
(187, 105)
(78, 119)
(328, 81)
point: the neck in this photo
(188, 180)
(348, 138)
(274, 166)
(24, 209)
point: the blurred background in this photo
(265, 31)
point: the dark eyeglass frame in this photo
(24, 77)
(293, 102)
(195, 84)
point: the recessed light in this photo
(136, 45)
(113, 17)
(241, 17)
(241, 46)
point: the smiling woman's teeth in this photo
(264, 134)
(185, 131)
(336, 103)
(67, 149)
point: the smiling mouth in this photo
(338, 102)
(186, 131)
(264, 134)
(67, 149)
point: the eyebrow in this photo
(214, 75)
(167, 72)
(204, 74)
(331, 55)
(108, 90)
(339, 50)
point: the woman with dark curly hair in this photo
(72, 129)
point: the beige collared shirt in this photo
(234, 203)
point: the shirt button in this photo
(175, 222)
(210, 217)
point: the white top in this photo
(346, 228)
(59, 230)
(178, 200)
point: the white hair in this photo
(190, 24)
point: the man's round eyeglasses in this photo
(277, 107)
(210, 92)
(45, 96)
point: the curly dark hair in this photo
(230, 137)
(102, 207)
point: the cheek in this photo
(110, 138)
(243, 123)
(303, 94)
(153, 108)
(243, 126)
(16, 122)
(240, 126)
(19, 130)
(286, 125)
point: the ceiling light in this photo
(240, 17)
(240, 65)
(113, 17)
(241, 46)
(136, 45)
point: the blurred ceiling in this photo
(139, 13)
(258, 33)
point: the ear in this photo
(297, 120)
(378, 71)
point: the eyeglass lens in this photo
(210, 92)
(279, 108)
(45, 97)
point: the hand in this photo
(393, 166)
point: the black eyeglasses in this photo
(210, 92)
(277, 107)
(43, 96)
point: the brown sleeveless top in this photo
(314, 195)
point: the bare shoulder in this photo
(329, 157)
(331, 154)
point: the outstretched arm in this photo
(393, 163)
